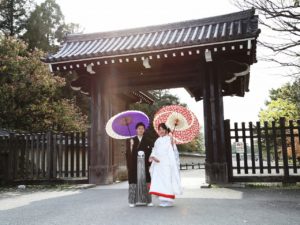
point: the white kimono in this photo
(165, 177)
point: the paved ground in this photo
(107, 205)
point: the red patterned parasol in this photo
(182, 122)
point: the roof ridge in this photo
(157, 28)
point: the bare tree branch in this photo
(282, 18)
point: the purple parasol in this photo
(123, 124)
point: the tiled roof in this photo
(208, 31)
(144, 96)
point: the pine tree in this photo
(46, 27)
(13, 16)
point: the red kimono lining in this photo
(162, 195)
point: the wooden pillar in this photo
(100, 169)
(216, 166)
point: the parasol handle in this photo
(176, 123)
(127, 124)
(131, 145)
(174, 128)
(172, 137)
(128, 130)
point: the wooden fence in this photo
(193, 166)
(44, 156)
(263, 151)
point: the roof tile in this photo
(224, 28)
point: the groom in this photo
(138, 143)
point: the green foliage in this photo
(279, 108)
(67, 116)
(32, 99)
(79, 99)
(13, 16)
(197, 145)
(46, 28)
(42, 26)
(284, 102)
(164, 98)
(29, 93)
(289, 92)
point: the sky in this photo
(100, 15)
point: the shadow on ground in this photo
(107, 205)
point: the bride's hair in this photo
(164, 126)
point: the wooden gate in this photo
(44, 156)
(263, 152)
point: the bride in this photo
(164, 170)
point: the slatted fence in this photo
(193, 166)
(44, 156)
(263, 151)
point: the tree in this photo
(289, 92)
(282, 20)
(197, 145)
(13, 16)
(46, 28)
(29, 93)
(284, 102)
(279, 108)
(79, 99)
(65, 29)
(164, 98)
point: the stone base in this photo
(216, 173)
(100, 175)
